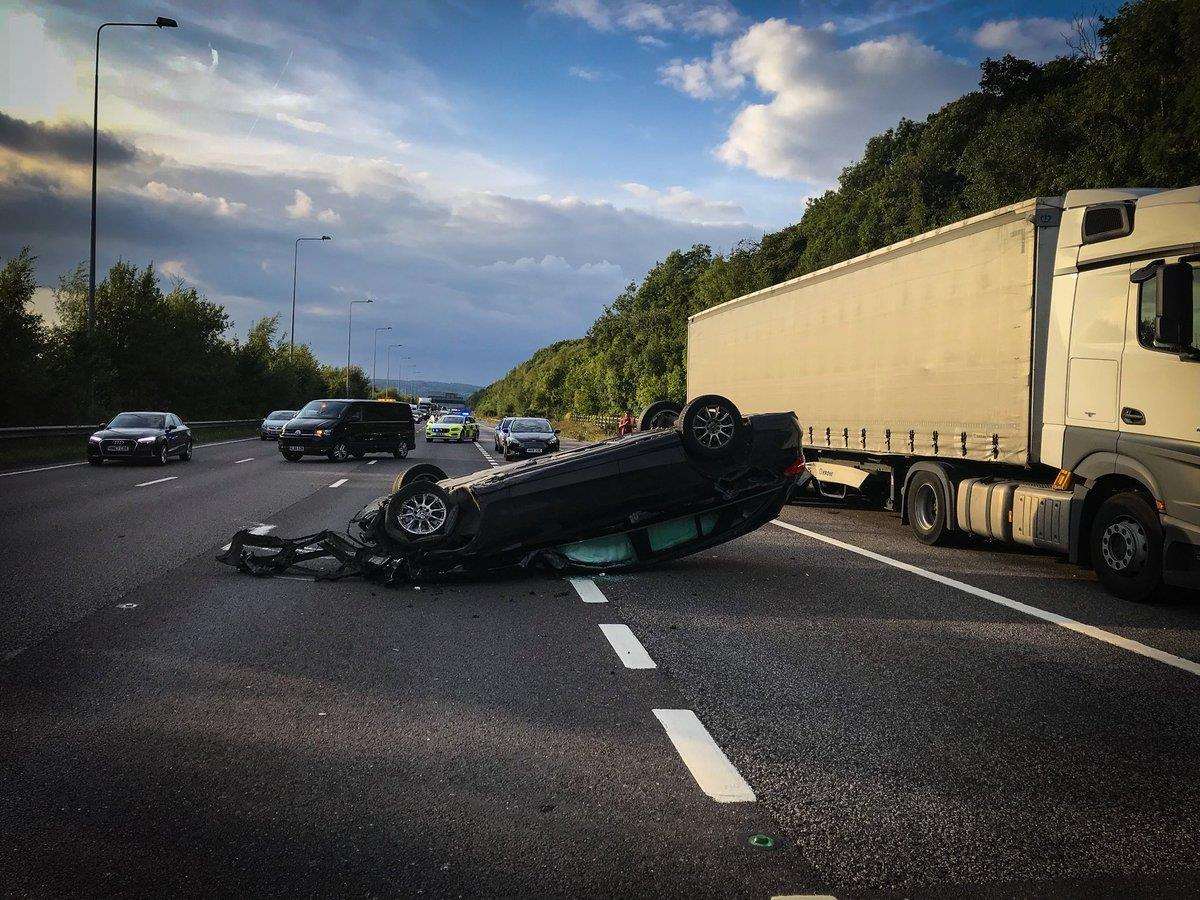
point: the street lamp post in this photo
(387, 352)
(349, 329)
(160, 22)
(375, 358)
(295, 267)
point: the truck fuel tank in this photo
(1013, 512)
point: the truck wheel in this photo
(927, 503)
(658, 415)
(711, 427)
(420, 512)
(1127, 546)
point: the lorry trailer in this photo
(1029, 375)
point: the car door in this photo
(354, 427)
(182, 433)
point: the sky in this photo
(491, 173)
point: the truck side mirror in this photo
(1173, 321)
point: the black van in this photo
(340, 429)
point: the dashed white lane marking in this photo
(372, 462)
(1091, 631)
(486, 455)
(156, 481)
(587, 590)
(238, 462)
(706, 761)
(628, 647)
(339, 482)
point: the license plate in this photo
(299, 448)
(533, 450)
(118, 448)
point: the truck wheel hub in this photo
(1124, 546)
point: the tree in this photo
(25, 340)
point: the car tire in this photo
(711, 427)
(291, 455)
(400, 453)
(95, 461)
(419, 472)
(421, 512)
(340, 451)
(359, 454)
(161, 458)
(659, 415)
(1127, 546)
(926, 504)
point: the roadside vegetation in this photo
(1121, 107)
(153, 349)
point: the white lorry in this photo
(1028, 375)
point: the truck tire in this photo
(711, 427)
(927, 504)
(659, 415)
(1127, 546)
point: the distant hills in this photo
(425, 388)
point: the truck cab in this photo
(1121, 406)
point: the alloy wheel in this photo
(713, 427)
(422, 514)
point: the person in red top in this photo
(625, 425)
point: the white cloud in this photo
(826, 100)
(219, 206)
(698, 17)
(556, 264)
(301, 207)
(586, 74)
(1037, 38)
(679, 203)
(649, 40)
(308, 125)
(25, 49)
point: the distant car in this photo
(615, 505)
(501, 434)
(143, 436)
(340, 429)
(273, 424)
(447, 428)
(529, 437)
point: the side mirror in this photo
(556, 431)
(102, 426)
(170, 428)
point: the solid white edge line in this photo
(587, 590)
(1091, 631)
(156, 481)
(627, 647)
(339, 482)
(707, 762)
(84, 463)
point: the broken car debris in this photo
(691, 479)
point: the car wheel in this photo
(161, 458)
(420, 472)
(340, 451)
(186, 453)
(400, 453)
(1127, 546)
(292, 456)
(711, 427)
(927, 504)
(95, 461)
(420, 512)
(659, 415)
(358, 454)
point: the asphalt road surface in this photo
(892, 719)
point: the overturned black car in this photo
(699, 477)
